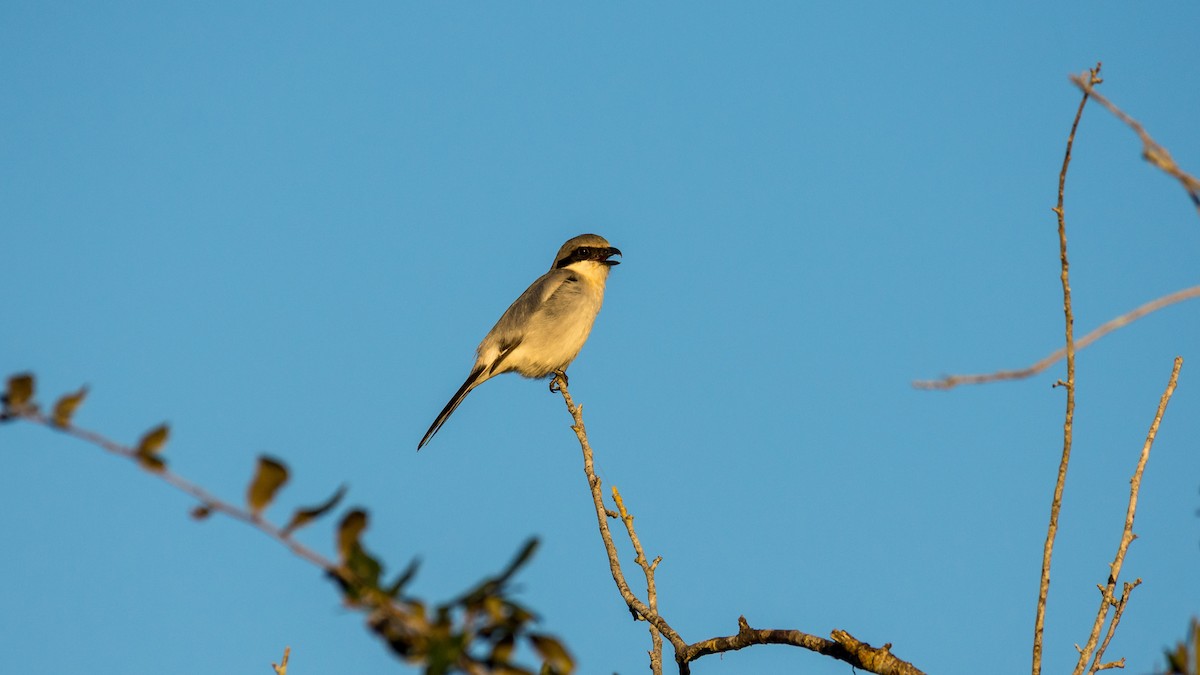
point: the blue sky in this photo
(284, 227)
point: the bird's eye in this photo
(584, 252)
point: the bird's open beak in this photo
(609, 252)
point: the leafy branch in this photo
(474, 633)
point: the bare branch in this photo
(1108, 598)
(1056, 503)
(843, 646)
(951, 381)
(1151, 151)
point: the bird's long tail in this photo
(473, 380)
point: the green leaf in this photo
(518, 615)
(65, 408)
(268, 478)
(364, 566)
(523, 557)
(303, 517)
(352, 526)
(1195, 647)
(501, 651)
(20, 390)
(401, 581)
(554, 655)
(510, 670)
(493, 585)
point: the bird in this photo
(542, 332)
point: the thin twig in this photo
(208, 500)
(1107, 598)
(951, 381)
(651, 590)
(1056, 503)
(1151, 151)
(281, 667)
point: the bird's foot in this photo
(554, 388)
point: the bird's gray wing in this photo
(510, 329)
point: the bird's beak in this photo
(609, 252)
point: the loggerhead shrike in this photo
(543, 331)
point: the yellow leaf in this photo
(153, 441)
(502, 650)
(553, 653)
(65, 408)
(20, 390)
(270, 476)
(151, 463)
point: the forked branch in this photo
(1151, 151)
(1108, 596)
(843, 646)
(1156, 155)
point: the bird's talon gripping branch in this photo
(554, 388)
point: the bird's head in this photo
(586, 247)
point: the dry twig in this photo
(1151, 151)
(1107, 592)
(951, 381)
(1056, 503)
(647, 569)
(281, 667)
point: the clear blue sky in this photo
(284, 227)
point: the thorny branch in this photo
(843, 646)
(1056, 503)
(1151, 151)
(1107, 596)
